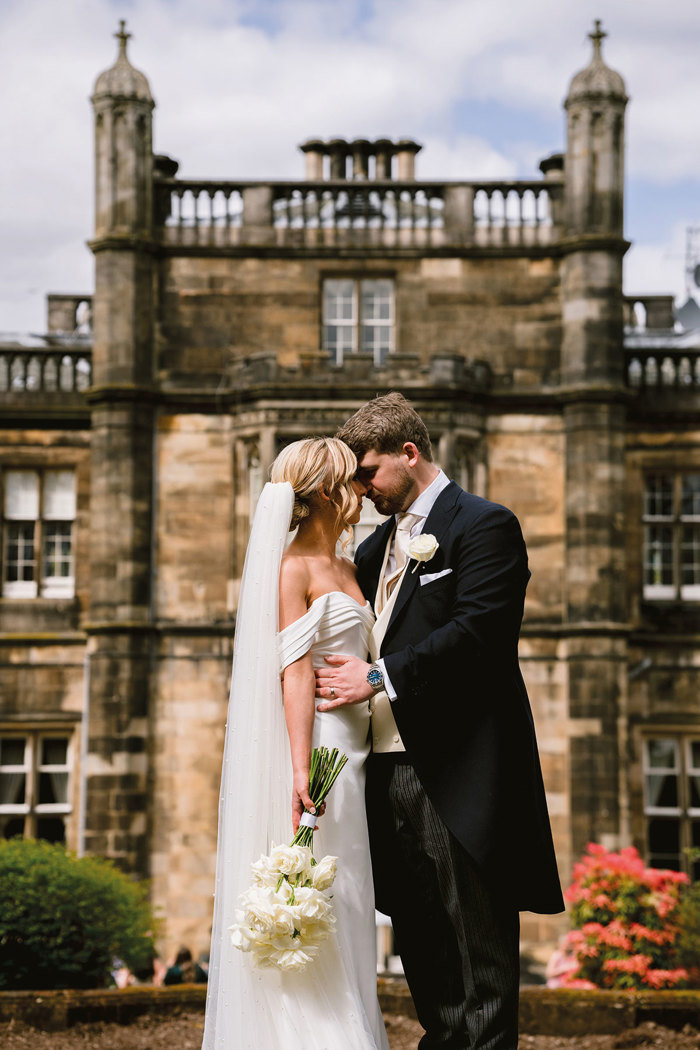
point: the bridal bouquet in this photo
(286, 913)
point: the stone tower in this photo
(120, 615)
(594, 410)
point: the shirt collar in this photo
(423, 504)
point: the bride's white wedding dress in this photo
(345, 972)
(332, 1004)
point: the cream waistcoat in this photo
(385, 733)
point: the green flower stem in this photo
(324, 769)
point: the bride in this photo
(295, 608)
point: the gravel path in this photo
(185, 1033)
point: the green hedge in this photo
(64, 920)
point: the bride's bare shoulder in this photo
(294, 572)
(294, 588)
(349, 564)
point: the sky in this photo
(239, 84)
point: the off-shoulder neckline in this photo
(327, 594)
(362, 608)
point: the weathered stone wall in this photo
(193, 572)
(194, 518)
(188, 718)
(505, 311)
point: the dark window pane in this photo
(57, 549)
(12, 750)
(695, 754)
(694, 791)
(658, 496)
(54, 751)
(10, 826)
(662, 753)
(695, 864)
(53, 787)
(664, 844)
(662, 791)
(690, 498)
(690, 555)
(12, 789)
(658, 555)
(51, 828)
(19, 551)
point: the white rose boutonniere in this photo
(422, 548)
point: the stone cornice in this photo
(43, 638)
(593, 242)
(123, 392)
(126, 242)
(360, 252)
(581, 629)
(215, 629)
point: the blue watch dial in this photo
(375, 677)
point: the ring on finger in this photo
(332, 692)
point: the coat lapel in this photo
(437, 523)
(371, 556)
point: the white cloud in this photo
(657, 269)
(240, 83)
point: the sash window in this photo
(671, 520)
(37, 542)
(35, 772)
(358, 316)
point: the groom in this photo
(457, 814)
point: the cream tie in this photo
(401, 542)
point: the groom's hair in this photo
(385, 424)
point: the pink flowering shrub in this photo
(626, 923)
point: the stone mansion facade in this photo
(230, 317)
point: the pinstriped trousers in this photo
(458, 941)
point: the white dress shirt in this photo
(421, 507)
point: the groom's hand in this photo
(343, 682)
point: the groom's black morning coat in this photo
(451, 652)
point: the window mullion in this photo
(32, 786)
(39, 539)
(677, 527)
(3, 540)
(356, 306)
(686, 823)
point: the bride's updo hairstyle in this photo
(313, 462)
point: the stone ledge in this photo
(56, 1010)
(543, 1011)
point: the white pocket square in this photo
(428, 577)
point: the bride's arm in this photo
(298, 688)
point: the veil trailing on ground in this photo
(254, 807)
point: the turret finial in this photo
(597, 36)
(122, 36)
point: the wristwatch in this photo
(375, 678)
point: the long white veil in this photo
(254, 807)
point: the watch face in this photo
(375, 677)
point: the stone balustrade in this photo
(35, 370)
(381, 214)
(317, 371)
(648, 312)
(659, 369)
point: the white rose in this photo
(264, 874)
(264, 909)
(285, 920)
(311, 905)
(242, 937)
(423, 547)
(291, 961)
(292, 860)
(323, 874)
(314, 935)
